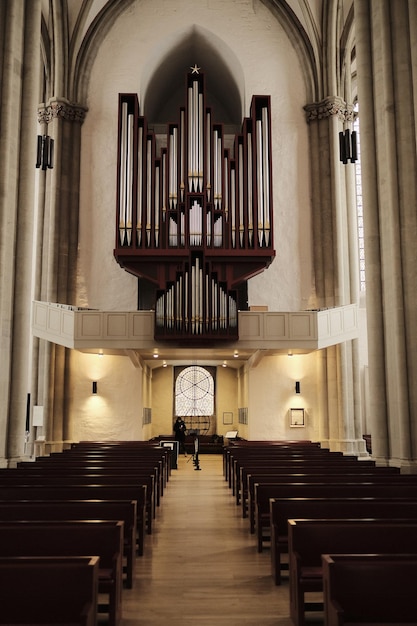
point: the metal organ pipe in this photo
(182, 154)
(198, 196)
(250, 190)
(240, 194)
(208, 157)
(139, 218)
(265, 170)
(259, 174)
(163, 185)
(122, 174)
(148, 189)
(156, 216)
(233, 204)
(226, 186)
(237, 190)
(200, 168)
(212, 307)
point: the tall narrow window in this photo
(359, 204)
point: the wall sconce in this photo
(347, 146)
(45, 152)
(94, 387)
(297, 386)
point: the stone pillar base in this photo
(347, 446)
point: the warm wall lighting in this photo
(289, 353)
(164, 364)
(297, 386)
(94, 387)
(224, 364)
(235, 354)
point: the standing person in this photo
(180, 432)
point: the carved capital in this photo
(61, 108)
(329, 107)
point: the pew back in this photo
(370, 589)
(309, 539)
(283, 509)
(49, 590)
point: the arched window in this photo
(194, 392)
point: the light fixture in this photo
(224, 364)
(155, 354)
(297, 386)
(289, 352)
(235, 354)
(45, 152)
(164, 364)
(347, 146)
(94, 387)
(100, 353)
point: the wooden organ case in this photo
(194, 219)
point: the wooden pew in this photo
(264, 492)
(83, 492)
(129, 451)
(312, 473)
(285, 458)
(283, 509)
(49, 590)
(73, 538)
(370, 589)
(51, 477)
(102, 465)
(309, 539)
(235, 454)
(66, 510)
(295, 463)
(241, 447)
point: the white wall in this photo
(115, 412)
(272, 395)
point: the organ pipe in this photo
(195, 197)
(212, 306)
(195, 146)
(140, 187)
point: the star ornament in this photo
(195, 69)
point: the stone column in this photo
(335, 258)
(59, 253)
(21, 30)
(387, 63)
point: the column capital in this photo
(61, 108)
(330, 106)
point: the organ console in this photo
(194, 218)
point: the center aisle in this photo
(201, 565)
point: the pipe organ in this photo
(195, 217)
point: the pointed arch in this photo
(163, 84)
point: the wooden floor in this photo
(201, 565)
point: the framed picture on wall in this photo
(228, 417)
(297, 418)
